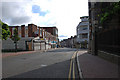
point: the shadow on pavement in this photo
(96, 67)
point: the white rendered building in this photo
(83, 32)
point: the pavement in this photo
(15, 53)
(91, 66)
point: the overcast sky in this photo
(64, 14)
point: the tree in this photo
(109, 11)
(5, 30)
(84, 44)
(0, 29)
(15, 38)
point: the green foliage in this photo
(84, 44)
(109, 11)
(15, 36)
(104, 17)
(5, 30)
(0, 29)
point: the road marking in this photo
(79, 69)
(70, 70)
(43, 65)
(73, 55)
(73, 72)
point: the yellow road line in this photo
(73, 72)
(74, 55)
(70, 71)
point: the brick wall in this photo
(10, 28)
(29, 30)
(22, 30)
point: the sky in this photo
(64, 14)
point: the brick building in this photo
(52, 30)
(32, 37)
(25, 31)
(54, 37)
(70, 42)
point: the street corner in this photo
(81, 52)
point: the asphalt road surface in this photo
(51, 64)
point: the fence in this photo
(108, 38)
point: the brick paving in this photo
(22, 52)
(96, 67)
(16, 53)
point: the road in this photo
(51, 64)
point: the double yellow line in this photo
(72, 68)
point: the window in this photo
(77, 36)
(40, 32)
(85, 28)
(56, 32)
(85, 35)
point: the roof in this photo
(49, 27)
(84, 17)
(13, 26)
